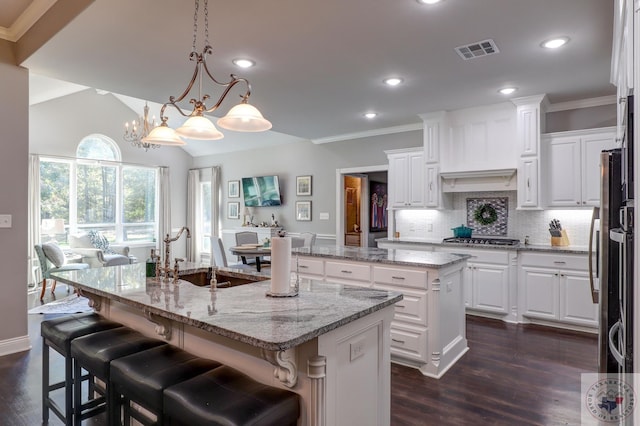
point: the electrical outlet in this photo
(429, 227)
(357, 349)
(324, 216)
(5, 221)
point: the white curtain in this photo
(164, 204)
(33, 211)
(193, 207)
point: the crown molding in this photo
(583, 103)
(26, 20)
(370, 133)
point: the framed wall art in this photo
(303, 210)
(303, 185)
(234, 189)
(233, 210)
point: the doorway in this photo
(360, 222)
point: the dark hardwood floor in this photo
(512, 375)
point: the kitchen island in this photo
(330, 344)
(428, 329)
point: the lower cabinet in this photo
(487, 280)
(556, 288)
(432, 300)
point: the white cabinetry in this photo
(530, 119)
(572, 163)
(487, 280)
(556, 289)
(428, 328)
(406, 177)
(480, 138)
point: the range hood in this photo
(479, 180)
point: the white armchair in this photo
(96, 250)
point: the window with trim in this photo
(96, 191)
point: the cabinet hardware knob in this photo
(397, 278)
(577, 202)
(303, 266)
(397, 341)
(346, 272)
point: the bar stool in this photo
(143, 377)
(94, 353)
(57, 334)
(225, 396)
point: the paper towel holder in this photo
(293, 290)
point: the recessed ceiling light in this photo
(370, 115)
(507, 90)
(554, 43)
(393, 81)
(428, 1)
(244, 63)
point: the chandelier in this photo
(242, 117)
(140, 129)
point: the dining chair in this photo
(220, 256)
(246, 237)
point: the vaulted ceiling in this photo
(320, 65)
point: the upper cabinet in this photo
(480, 138)
(572, 166)
(406, 178)
(530, 118)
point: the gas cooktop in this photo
(483, 241)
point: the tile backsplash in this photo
(415, 224)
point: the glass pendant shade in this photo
(200, 128)
(163, 135)
(244, 118)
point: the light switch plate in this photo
(5, 221)
(324, 216)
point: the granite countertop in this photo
(377, 255)
(243, 313)
(519, 247)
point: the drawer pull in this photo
(344, 271)
(559, 262)
(399, 306)
(303, 267)
(397, 341)
(397, 278)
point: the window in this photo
(205, 216)
(97, 192)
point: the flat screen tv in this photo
(261, 191)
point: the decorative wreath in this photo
(485, 214)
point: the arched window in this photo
(98, 147)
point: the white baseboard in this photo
(16, 344)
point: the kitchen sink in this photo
(203, 278)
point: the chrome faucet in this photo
(165, 269)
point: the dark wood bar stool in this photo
(94, 354)
(225, 396)
(142, 378)
(58, 334)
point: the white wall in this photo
(14, 122)
(57, 126)
(305, 158)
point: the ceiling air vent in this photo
(477, 49)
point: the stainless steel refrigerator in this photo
(614, 274)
